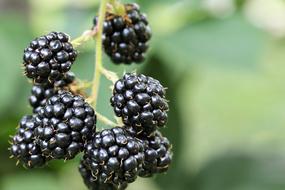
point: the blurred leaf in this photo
(230, 43)
(241, 172)
(29, 181)
(234, 109)
(70, 177)
(13, 40)
(142, 184)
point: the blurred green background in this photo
(223, 62)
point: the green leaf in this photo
(29, 181)
(231, 43)
(13, 41)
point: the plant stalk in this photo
(98, 53)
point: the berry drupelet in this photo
(125, 38)
(67, 123)
(158, 155)
(41, 92)
(140, 101)
(23, 145)
(91, 182)
(114, 157)
(66, 79)
(48, 57)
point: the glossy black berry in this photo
(140, 101)
(24, 147)
(158, 155)
(48, 57)
(90, 181)
(125, 38)
(67, 123)
(114, 157)
(41, 92)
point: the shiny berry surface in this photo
(140, 101)
(125, 38)
(67, 123)
(158, 155)
(48, 57)
(24, 147)
(114, 157)
(41, 92)
(90, 181)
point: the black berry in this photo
(41, 92)
(24, 147)
(125, 38)
(114, 157)
(48, 57)
(140, 101)
(67, 123)
(92, 183)
(158, 155)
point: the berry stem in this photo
(105, 120)
(112, 76)
(98, 53)
(85, 37)
(119, 121)
(118, 7)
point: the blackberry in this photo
(48, 57)
(92, 183)
(23, 145)
(66, 79)
(158, 155)
(140, 101)
(114, 157)
(67, 123)
(125, 38)
(41, 92)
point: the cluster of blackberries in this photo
(126, 36)
(63, 124)
(62, 121)
(116, 157)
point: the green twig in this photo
(86, 36)
(112, 76)
(105, 120)
(118, 7)
(98, 53)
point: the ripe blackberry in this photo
(114, 157)
(66, 79)
(140, 101)
(158, 155)
(23, 145)
(125, 38)
(48, 57)
(92, 183)
(67, 123)
(41, 92)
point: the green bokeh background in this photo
(226, 86)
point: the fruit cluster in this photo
(125, 36)
(63, 123)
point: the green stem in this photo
(98, 53)
(105, 120)
(86, 36)
(118, 7)
(111, 76)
